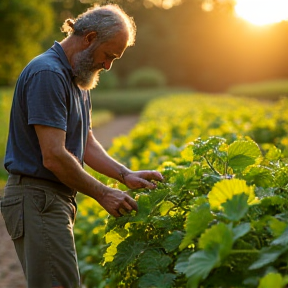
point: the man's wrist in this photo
(122, 175)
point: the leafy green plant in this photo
(202, 223)
(219, 219)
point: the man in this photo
(50, 138)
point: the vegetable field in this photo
(219, 219)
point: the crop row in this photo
(219, 218)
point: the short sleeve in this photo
(46, 100)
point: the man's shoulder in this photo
(49, 64)
(48, 61)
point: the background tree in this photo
(208, 51)
(24, 27)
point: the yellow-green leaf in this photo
(187, 154)
(115, 239)
(227, 188)
(274, 280)
(165, 207)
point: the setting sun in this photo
(262, 12)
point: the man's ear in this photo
(90, 37)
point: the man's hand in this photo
(117, 202)
(142, 179)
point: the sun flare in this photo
(262, 12)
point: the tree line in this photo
(208, 51)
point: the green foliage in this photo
(274, 280)
(272, 90)
(131, 101)
(146, 77)
(90, 244)
(160, 44)
(219, 218)
(25, 25)
(236, 208)
(243, 153)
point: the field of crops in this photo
(220, 217)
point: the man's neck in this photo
(71, 45)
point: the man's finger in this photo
(132, 203)
(153, 175)
(146, 184)
(127, 207)
(116, 213)
(157, 176)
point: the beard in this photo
(85, 72)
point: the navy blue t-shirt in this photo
(45, 94)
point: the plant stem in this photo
(212, 168)
(244, 251)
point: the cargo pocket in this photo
(12, 211)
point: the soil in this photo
(11, 275)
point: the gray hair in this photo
(106, 20)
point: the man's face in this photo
(89, 62)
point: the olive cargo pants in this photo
(39, 216)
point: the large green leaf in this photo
(282, 240)
(226, 189)
(236, 208)
(158, 195)
(268, 255)
(144, 209)
(182, 261)
(172, 242)
(217, 238)
(127, 253)
(152, 260)
(241, 230)
(197, 221)
(260, 176)
(242, 153)
(157, 280)
(200, 265)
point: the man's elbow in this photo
(52, 160)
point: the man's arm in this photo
(68, 170)
(98, 159)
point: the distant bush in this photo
(270, 90)
(146, 77)
(108, 80)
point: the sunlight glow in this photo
(262, 12)
(166, 4)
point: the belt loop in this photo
(19, 178)
(16, 178)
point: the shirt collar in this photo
(63, 58)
